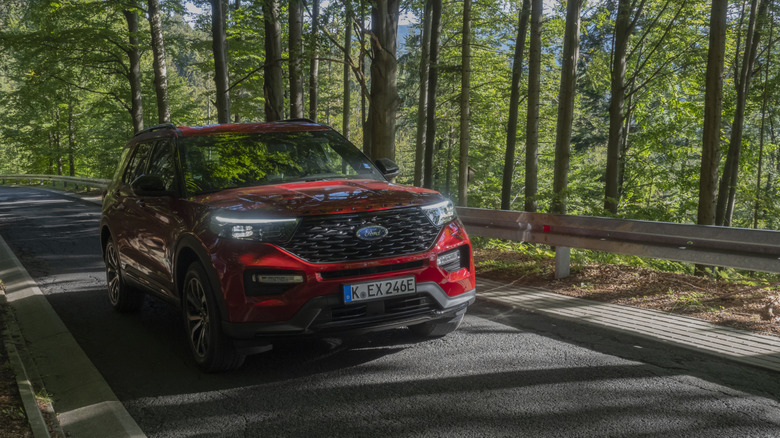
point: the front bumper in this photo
(328, 315)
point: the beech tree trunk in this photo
(384, 90)
(713, 100)
(219, 47)
(295, 36)
(160, 70)
(272, 83)
(422, 102)
(134, 73)
(514, 106)
(617, 99)
(764, 99)
(724, 209)
(566, 94)
(314, 66)
(347, 103)
(532, 116)
(465, 109)
(433, 80)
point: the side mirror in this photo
(388, 167)
(150, 185)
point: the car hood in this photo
(319, 197)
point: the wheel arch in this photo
(189, 250)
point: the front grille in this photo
(359, 272)
(329, 239)
(372, 312)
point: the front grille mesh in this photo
(329, 239)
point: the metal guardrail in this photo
(754, 250)
(75, 180)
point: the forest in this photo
(645, 109)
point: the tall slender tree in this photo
(295, 35)
(347, 101)
(713, 101)
(384, 88)
(160, 69)
(422, 101)
(433, 81)
(623, 27)
(314, 65)
(724, 208)
(219, 47)
(134, 71)
(532, 116)
(465, 108)
(514, 106)
(272, 83)
(566, 96)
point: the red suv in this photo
(272, 231)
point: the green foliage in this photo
(69, 57)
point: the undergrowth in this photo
(583, 257)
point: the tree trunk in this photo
(422, 102)
(314, 66)
(514, 106)
(272, 84)
(465, 109)
(219, 47)
(134, 73)
(384, 89)
(617, 99)
(160, 70)
(71, 137)
(713, 100)
(295, 36)
(433, 80)
(532, 117)
(347, 103)
(727, 190)
(566, 95)
(764, 100)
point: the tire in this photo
(123, 297)
(438, 327)
(212, 351)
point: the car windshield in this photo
(228, 160)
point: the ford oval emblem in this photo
(371, 232)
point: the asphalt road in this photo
(503, 373)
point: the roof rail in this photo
(157, 127)
(299, 120)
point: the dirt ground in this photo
(13, 421)
(748, 305)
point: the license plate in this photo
(373, 290)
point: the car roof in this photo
(169, 130)
(251, 128)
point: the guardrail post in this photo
(562, 262)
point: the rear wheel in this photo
(438, 327)
(212, 351)
(123, 298)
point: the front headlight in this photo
(439, 213)
(256, 229)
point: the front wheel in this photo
(438, 327)
(123, 297)
(212, 351)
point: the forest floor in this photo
(746, 304)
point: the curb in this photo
(85, 405)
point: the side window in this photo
(161, 163)
(137, 165)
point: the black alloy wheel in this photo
(212, 351)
